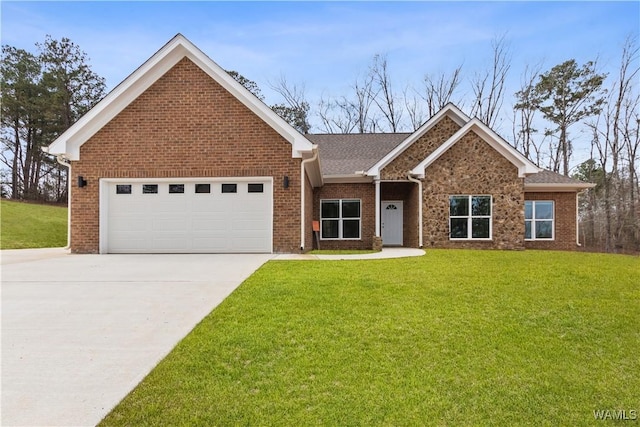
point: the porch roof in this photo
(348, 154)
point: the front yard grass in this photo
(342, 251)
(456, 337)
(31, 225)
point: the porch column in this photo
(377, 182)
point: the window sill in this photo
(470, 240)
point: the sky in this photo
(325, 46)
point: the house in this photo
(180, 158)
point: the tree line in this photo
(545, 112)
(44, 93)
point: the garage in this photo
(221, 215)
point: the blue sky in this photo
(326, 45)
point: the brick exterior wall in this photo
(367, 195)
(186, 125)
(564, 221)
(419, 150)
(473, 167)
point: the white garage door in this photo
(187, 216)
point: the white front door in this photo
(391, 223)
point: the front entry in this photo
(391, 223)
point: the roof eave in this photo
(347, 179)
(557, 187)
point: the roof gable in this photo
(448, 110)
(525, 166)
(68, 144)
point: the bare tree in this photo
(439, 91)
(354, 113)
(296, 109)
(413, 106)
(613, 130)
(337, 116)
(488, 87)
(524, 113)
(383, 95)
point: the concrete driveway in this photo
(81, 331)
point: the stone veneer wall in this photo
(473, 167)
(564, 221)
(367, 195)
(419, 150)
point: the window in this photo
(150, 189)
(538, 220)
(470, 217)
(203, 188)
(340, 219)
(229, 188)
(123, 189)
(255, 188)
(176, 188)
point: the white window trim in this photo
(533, 221)
(340, 219)
(470, 219)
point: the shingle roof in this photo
(345, 154)
(548, 177)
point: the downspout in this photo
(302, 194)
(417, 181)
(60, 159)
(377, 184)
(577, 222)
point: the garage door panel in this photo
(205, 222)
(248, 226)
(130, 225)
(171, 243)
(165, 223)
(208, 224)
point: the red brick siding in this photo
(565, 221)
(367, 194)
(186, 125)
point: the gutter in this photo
(302, 193)
(417, 181)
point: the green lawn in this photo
(29, 225)
(456, 337)
(341, 251)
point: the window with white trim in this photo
(340, 219)
(470, 217)
(538, 220)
